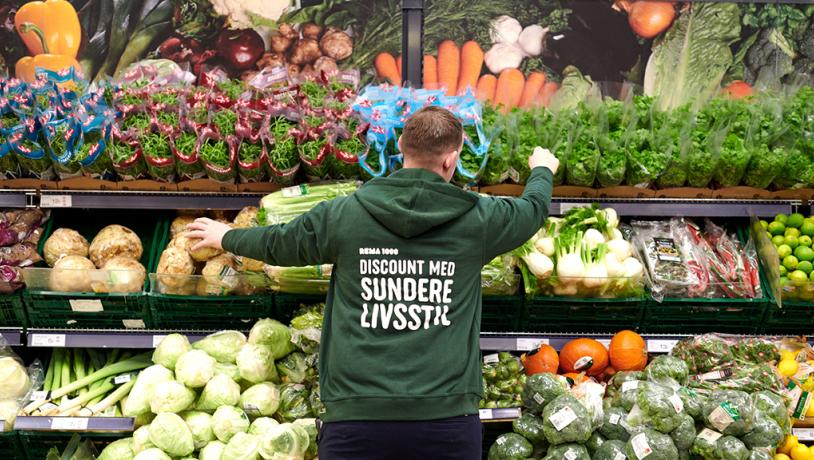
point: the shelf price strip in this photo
(101, 424)
(660, 346)
(509, 413)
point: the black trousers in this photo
(456, 438)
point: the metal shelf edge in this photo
(12, 335)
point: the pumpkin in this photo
(543, 359)
(628, 351)
(584, 355)
(575, 378)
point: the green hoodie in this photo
(402, 318)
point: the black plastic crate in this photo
(566, 314)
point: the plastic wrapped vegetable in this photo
(704, 352)
(684, 435)
(760, 455)
(661, 407)
(668, 367)
(731, 448)
(566, 420)
(292, 368)
(766, 433)
(772, 406)
(613, 426)
(652, 445)
(590, 393)
(504, 380)
(730, 412)
(595, 442)
(293, 402)
(744, 377)
(625, 389)
(306, 330)
(571, 451)
(693, 402)
(530, 427)
(610, 450)
(510, 446)
(541, 389)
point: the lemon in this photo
(787, 444)
(781, 457)
(788, 354)
(801, 452)
(810, 410)
(788, 367)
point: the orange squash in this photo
(543, 359)
(628, 351)
(584, 355)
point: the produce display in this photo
(20, 233)
(791, 236)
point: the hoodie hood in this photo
(412, 201)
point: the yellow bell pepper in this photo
(51, 31)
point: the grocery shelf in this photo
(18, 198)
(656, 343)
(803, 433)
(12, 335)
(673, 207)
(96, 424)
(119, 199)
(499, 415)
(104, 338)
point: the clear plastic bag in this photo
(670, 273)
(19, 384)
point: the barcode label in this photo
(86, 305)
(47, 340)
(485, 414)
(491, 359)
(56, 201)
(528, 344)
(39, 395)
(69, 423)
(119, 379)
(804, 434)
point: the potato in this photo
(72, 274)
(64, 242)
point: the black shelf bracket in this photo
(412, 42)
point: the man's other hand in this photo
(209, 231)
(542, 157)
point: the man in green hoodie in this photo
(399, 367)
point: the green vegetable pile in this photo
(503, 381)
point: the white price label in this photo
(804, 434)
(565, 207)
(570, 455)
(640, 446)
(39, 395)
(86, 305)
(56, 201)
(47, 340)
(661, 346)
(677, 403)
(119, 379)
(491, 359)
(614, 419)
(538, 398)
(133, 323)
(720, 418)
(605, 342)
(485, 414)
(47, 407)
(709, 435)
(630, 385)
(562, 418)
(528, 344)
(157, 340)
(69, 423)
(295, 191)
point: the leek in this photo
(67, 408)
(79, 366)
(113, 398)
(49, 374)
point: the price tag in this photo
(804, 434)
(39, 395)
(709, 435)
(485, 414)
(562, 418)
(119, 379)
(677, 403)
(614, 419)
(69, 423)
(491, 359)
(86, 305)
(133, 323)
(47, 407)
(565, 207)
(47, 340)
(157, 340)
(661, 346)
(56, 201)
(570, 455)
(605, 342)
(528, 344)
(640, 446)
(630, 385)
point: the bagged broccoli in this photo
(705, 444)
(730, 412)
(731, 448)
(566, 420)
(652, 445)
(684, 435)
(613, 424)
(510, 446)
(595, 442)
(665, 368)
(704, 352)
(693, 402)
(530, 427)
(661, 407)
(772, 406)
(761, 455)
(626, 389)
(293, 402)
(568, 451)
(541, 389)
(610, 450)
(766, 432)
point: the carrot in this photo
(531, 91)
(387, 69)
(486, 88)
(430, 72)
(449, 64)
(398, 64)
(509, 89)
(471, 64)
(547, 91)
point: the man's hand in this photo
(542, 157)
(209, 231)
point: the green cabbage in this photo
(565, 420)
(121, 449)
(256, 363)
(195, 368)
(261, 425)
(141, 440)
(171, 396)
(283, 442)
(200, 425)
(170, 349)
(223, 345)
(227, 421)
(273, 334)
(510, 446)
(138, 402)
(152, 454)
(242, 446)
(228, 369)
(262, 399)
(169, 433)
(220, 391)
(212, 451)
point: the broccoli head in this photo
(595, 442)
(572, 451)
(684, 435)
(530, 426)
(652, 445)
(565, 420)
(613, 426)
(668, 367)
(541, 389)
(766, 432)
(625, 387)
(773, 406)
(661, 408)
(731, 448)
(761, 455)
(729, 411)
(510, 446)
(693, 402)
(610, 450)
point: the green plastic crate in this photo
(203, 312)
(570, 314)
(10, 447)
(12, 311)
(793, 318)
(36, 444)
(54, 309)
